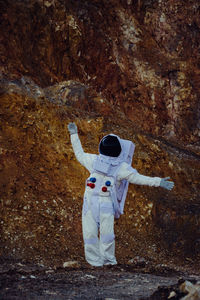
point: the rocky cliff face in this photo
(128, 67)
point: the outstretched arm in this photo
(132, 175)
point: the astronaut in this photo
(105, 192)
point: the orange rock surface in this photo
(127, 67)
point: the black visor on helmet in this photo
(110, 146)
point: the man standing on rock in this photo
(105, 193)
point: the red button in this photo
(91, 185)
(104, 189)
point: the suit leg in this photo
(107, 239)
(91, 240)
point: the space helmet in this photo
(110, 146)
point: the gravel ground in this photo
(19, 280)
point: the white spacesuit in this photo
(99, 207)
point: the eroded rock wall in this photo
(141, 55)
(128, 67)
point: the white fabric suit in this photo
(98, 214)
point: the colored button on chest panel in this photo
(92, 179)
(91, 185)
(104, 189)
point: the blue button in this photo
(93, 179)
(108, 183)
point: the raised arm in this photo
(85, 159)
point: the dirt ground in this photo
(20, 280)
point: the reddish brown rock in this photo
(129, 67)
(142, 56)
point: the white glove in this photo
(168, 185)
(72, 128)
